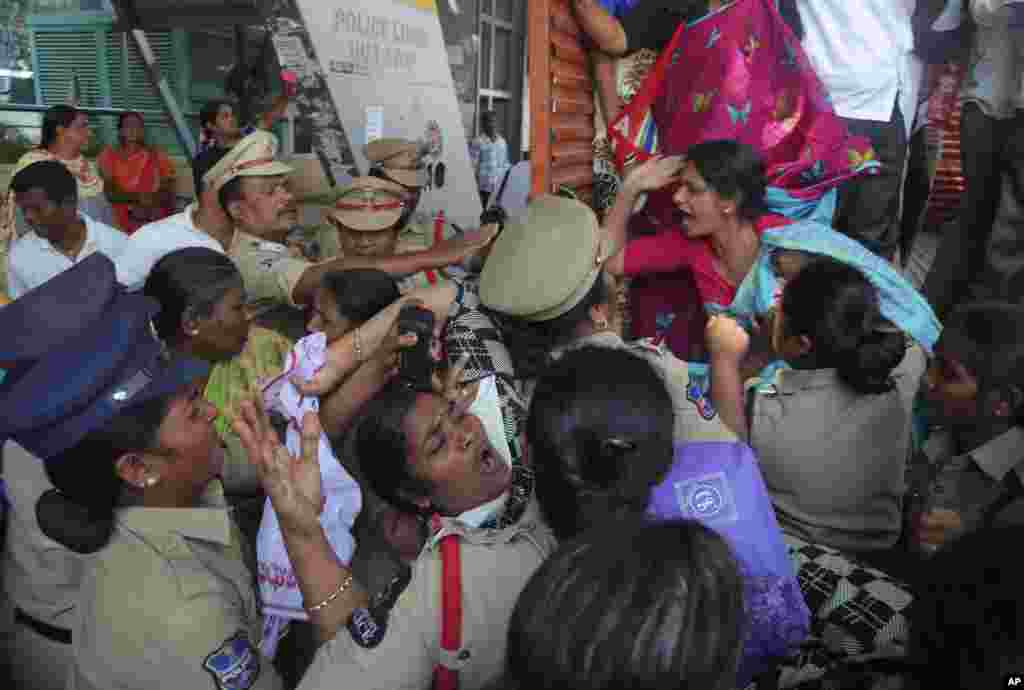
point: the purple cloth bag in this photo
(719, 484)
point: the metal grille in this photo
(62, 55)
(129, 84)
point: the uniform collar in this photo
(1000, 455)
(518, 507)
(599, 339)
(481, 514)
(790, 381)
(209, 521)
(241, 237)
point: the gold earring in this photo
(151, 482)
(601, 324)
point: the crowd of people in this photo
(463, 460)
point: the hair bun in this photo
(73, 525)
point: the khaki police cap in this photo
(545, 263)
(399, 158)
(369, 204)
(252, 156)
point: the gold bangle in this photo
(345, 584)
(357, 346)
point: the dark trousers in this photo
(982, 249)
(916, 190)
(868, 206)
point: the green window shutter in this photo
(75, 51)
(61, 55)
(131, 88)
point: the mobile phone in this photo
(415, 365)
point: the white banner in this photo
(386, 66)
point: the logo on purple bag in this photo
(707, 498)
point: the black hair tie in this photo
(80, 528)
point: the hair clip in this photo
(130, 387)
(619, 444)
(165, 352)
(887, 328)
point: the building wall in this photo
(205, 55)
(463, 41)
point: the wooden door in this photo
(561, 101)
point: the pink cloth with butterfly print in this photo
(674, 278)
(737, 73)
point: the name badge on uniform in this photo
(235, 665)
(270, 247)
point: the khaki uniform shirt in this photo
(834, 460)
(496, 565)
(169, 603)
(40, 576)
(269, 270)
(694, 421)
(414, 237)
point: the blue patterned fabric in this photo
(900, 302)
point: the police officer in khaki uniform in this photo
(366, 218)
(402, 647)
(40, 576)
(251, 186)
(482, 508)
(196, 621)
(398, 160)
(545, 272)
(167, 600)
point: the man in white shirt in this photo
(489, 155)
(861, 50)
(60, 236)
(201, 224)
(245, 211)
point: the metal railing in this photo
(33, 108)
(152, 118)
(104, 123)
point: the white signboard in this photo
(387, 68)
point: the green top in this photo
(238, 379)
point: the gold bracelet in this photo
(345, 584)
(357, 346)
